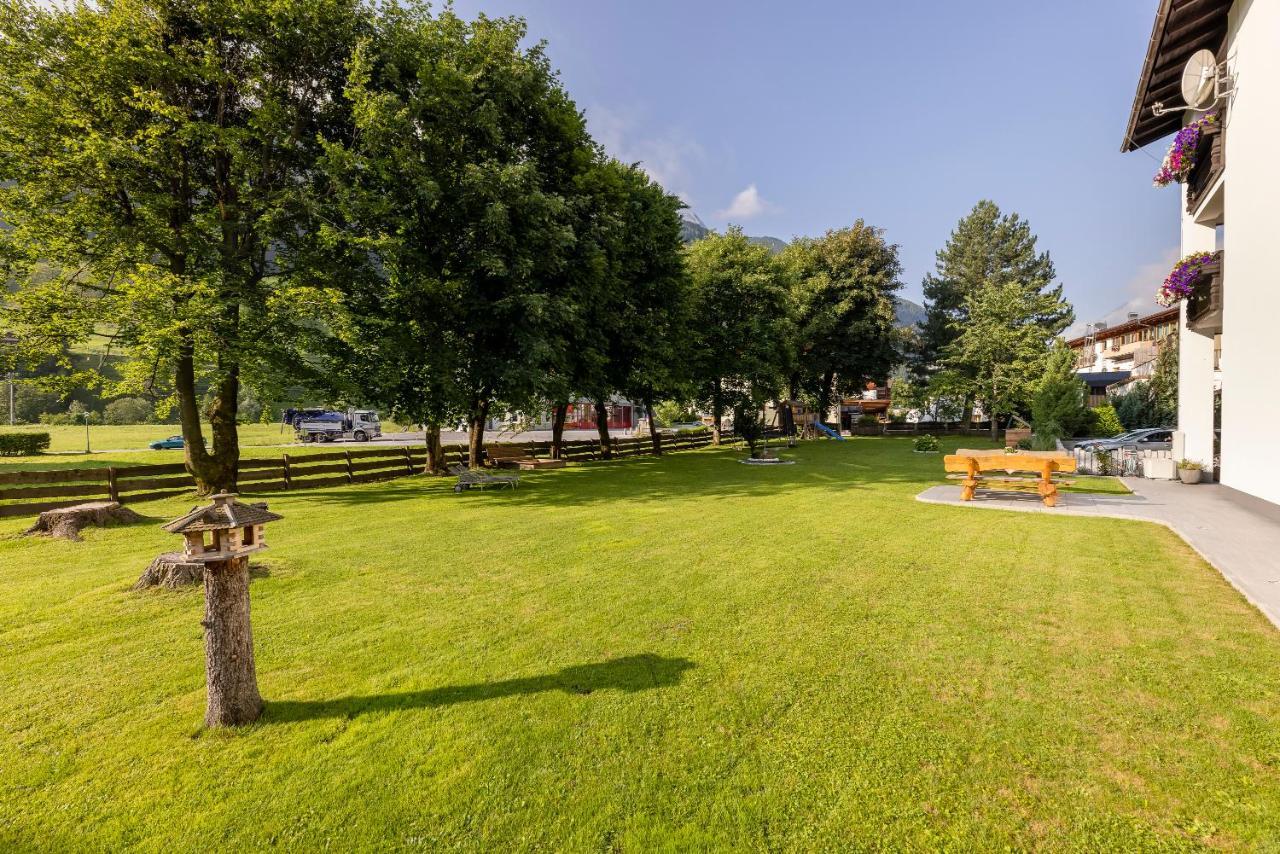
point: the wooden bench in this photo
(1025, 471)
(514, 456)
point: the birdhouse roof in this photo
(225, 512)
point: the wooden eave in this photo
(1181, 28)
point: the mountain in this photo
(909, 313)
(693, 228)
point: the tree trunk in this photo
(558, 416)
(602, 427)
(213, 471)
(824, 396)
(654, 436)
(966, 417)
(435, 451)
(995, 422)
(717, 411)
(476, 421)
(228, 645)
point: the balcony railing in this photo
(1210, 161)
(1204, 306)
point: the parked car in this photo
(1146, 439)
(173, 443)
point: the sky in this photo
(793, 118)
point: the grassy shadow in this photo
(629, 674)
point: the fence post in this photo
(113, 489)
(287, 484)
(408, 460)
(351, 475)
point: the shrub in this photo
(1103, 421)
(128, 410)
(866, 419)
(693, 431)
(926, 443)
(1139, 407)
(748, 425)
(1024, 444)
(23, 444)
(1190, 465)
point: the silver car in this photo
(1146, 439)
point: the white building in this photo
(1109, 357)
(1229, 206)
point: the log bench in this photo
(1025, 471)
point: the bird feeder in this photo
(220, 537)
(224, 530)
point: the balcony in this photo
(1204, 306)
(1210, 161)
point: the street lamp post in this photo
(87, 414)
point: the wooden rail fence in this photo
(28, 492)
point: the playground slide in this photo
(825, 429)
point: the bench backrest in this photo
(506, 452)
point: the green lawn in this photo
(682, 653)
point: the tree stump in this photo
(171, 570)
(66, 522)
(228, 645)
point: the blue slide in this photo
(825, 429)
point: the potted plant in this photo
(1190, 471)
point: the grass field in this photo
(682, 653)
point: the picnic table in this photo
(1031, 471)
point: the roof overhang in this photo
(1182, 27)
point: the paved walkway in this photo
(1238, 535)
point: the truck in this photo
(328, 425)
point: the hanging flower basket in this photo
(1181, 157)
(1181, 282)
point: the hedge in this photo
(23, 444)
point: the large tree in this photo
(153, 152)
(740, 347)
(1001, 346)
(986, 247)
(843, 286)
(460, 188)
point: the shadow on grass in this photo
(630, 674)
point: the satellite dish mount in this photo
(1205, 82)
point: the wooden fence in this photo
(27, 492)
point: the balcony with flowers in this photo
(1195, 158)
(1197, 280)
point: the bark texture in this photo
(717, 412)
(170, 570)
(67, 522)
(435, 451)
(475, 432)
(654, 436)
(602, 427)
(557, 429)
(230, 673)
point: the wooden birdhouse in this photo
(224, 530)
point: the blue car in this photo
(173, 443)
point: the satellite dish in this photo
(1199, 77)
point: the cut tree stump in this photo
(171, 570)
(66, 522)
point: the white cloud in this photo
(669, 156)
(745, 205)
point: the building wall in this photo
(1251, 295)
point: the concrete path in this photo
(1237, 534)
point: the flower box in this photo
(1210, 160)
(1204, 305)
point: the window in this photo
(247, 539)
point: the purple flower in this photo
(1181, 156)
(1181, 283)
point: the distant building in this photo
(1108, 357)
